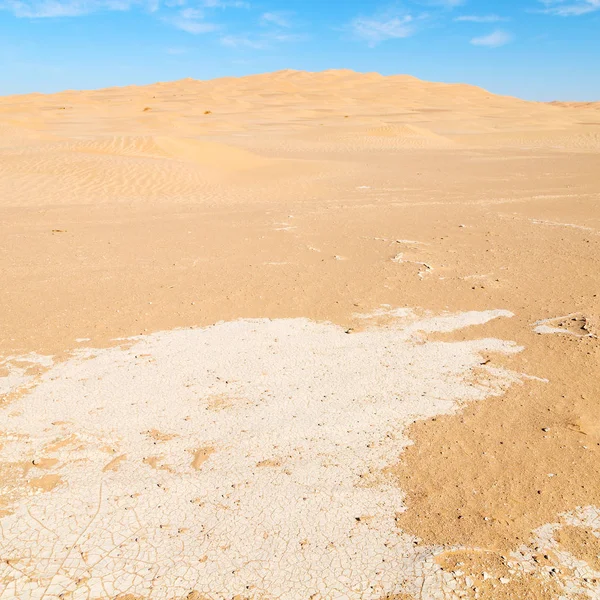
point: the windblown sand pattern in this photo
(299, 336)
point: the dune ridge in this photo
(297, 100)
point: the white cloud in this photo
(193, 27)
(444, 3)
(278, 19)
(493, 40)
(287, 37)
(258, 42)
(242, 41)
(480, 19)
(36, 10)
(225, 4)
(39, 9)
(274, 29)
(378, 29)
(191, 13)
(569, 8)
(191, 20)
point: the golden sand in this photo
(323, 196)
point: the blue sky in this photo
(535, 49)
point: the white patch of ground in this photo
(574, 324)
(19, 369)
(410, 242)
(546, 329)
(399, 258)
(386, 310)
(578, 578)
(559, 224)
(242, 459)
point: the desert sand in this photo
(299, 336)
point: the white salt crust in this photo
(249, 461)
(18, 368)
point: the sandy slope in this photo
(378, 425)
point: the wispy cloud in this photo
(259, 42)
(224, 4)
(279, 19)
(443, 3)
(480, 19)
(270, 29)
(382, 27)
(198, 19)
(40, 9)
(493, 40)
(191, 20)
(242, 41)
(570, 8)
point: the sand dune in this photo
(297, 100)
(585, 105)
(299, 336)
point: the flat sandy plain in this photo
(299, 336)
